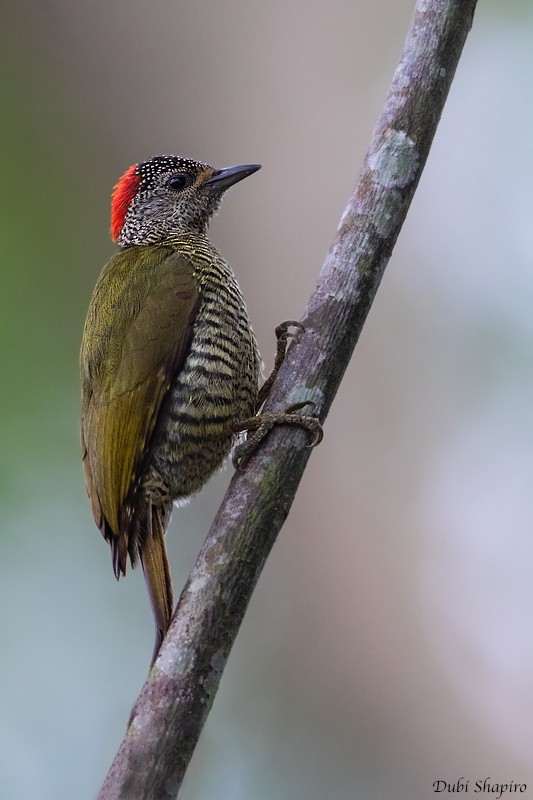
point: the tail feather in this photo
(157, 575)
(119, 553)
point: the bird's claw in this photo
(283, 334)
(308, 421)
(257, 428)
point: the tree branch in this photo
(170, 712)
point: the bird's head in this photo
(166, 194)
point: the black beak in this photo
(222, 179)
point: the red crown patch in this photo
(123, 193)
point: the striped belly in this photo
(216, 388)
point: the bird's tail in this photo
(157, 575)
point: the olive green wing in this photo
(136, 338)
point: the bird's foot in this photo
(284, 336)
(258, 427)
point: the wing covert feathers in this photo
(137, 335)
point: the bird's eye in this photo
(179, 181)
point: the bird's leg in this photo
(257, 427)
(283, 336)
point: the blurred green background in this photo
(390, 640)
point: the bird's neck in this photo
(132, 235)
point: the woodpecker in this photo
(169, 364)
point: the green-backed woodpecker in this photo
(169, 364)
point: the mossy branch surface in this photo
(170, 712)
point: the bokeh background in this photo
(389, 642)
